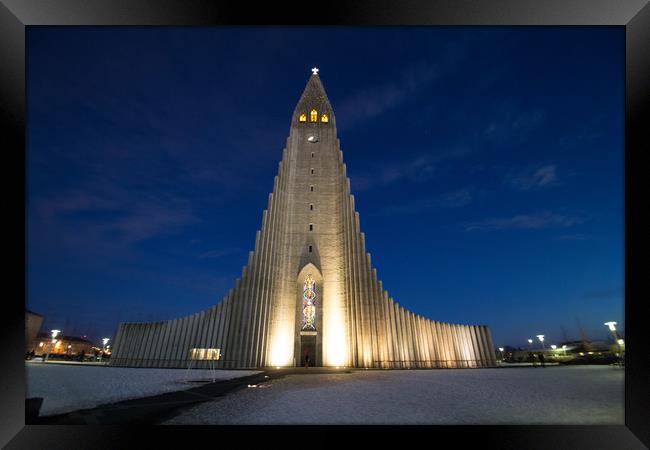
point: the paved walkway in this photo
(158, 408)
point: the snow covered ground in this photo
(551, 395)
(68, 388)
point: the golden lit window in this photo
(313, 115)
(303, 117)
(324, 118)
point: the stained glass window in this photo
(303, 117)
(313, 115)
(309, 304)
(324, 118)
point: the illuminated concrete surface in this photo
(553, 395)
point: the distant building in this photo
(63, 345)
(564, 352)
(33, 324)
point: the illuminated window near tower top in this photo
(313, 115)
(303, 117)
(309, 304)
(324, 118)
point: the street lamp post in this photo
(612, 328)
(501, 350)
(530, 344)
(541, 339)
(617, 339)
(564, 349)
(104, 342)
(55, 333)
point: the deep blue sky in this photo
(486, 163)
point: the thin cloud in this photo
(453, 199)
(523, 222)
(539, 178)
(106, 212)
(417, 169)
(512, 127)
(376, 100)
(456, 199)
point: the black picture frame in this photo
(634, 15)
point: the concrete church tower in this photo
(309, 287)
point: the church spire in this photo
(313, 107)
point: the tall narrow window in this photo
(313, 115)
(324, 118)
(311, 206)
(312, 171)
(303, 117)
(309, 303)
(311, 227)
(311, 188)
(312, 154)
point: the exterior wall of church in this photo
(310, 219)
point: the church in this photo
(309, 290)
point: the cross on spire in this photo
(314, 70)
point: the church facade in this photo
(309, 288)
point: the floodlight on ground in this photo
(553, 346)
(620, 342)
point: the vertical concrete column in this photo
(117, 350)
(479, 346)
(490, 346)
(394, 333)
(161, 353)
(231, 325)
(428, 344)
(222, 332)
(409, 337)
(467, 344)
(388, 330)
(178, 341)
(435, 354)
(408, 356)
(446, 344)
(187, 340)
(236, 319)
(151, 341)
(130, 332)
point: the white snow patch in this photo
(551, 395)
(66, 388)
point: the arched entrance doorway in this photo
(309, 319)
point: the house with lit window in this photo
(62, 345)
